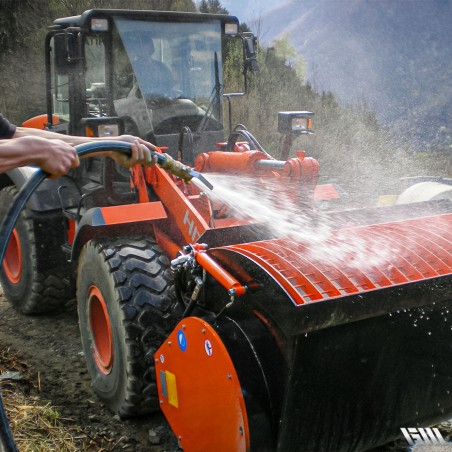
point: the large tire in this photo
(125, 313)
(28, 287)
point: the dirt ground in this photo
(50, 346)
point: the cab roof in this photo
(83, 19)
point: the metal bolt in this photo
(169, 342)
(229, 376)
(241, 430)
(183, 327)
(161, 402)
(203, 331)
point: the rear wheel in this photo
(32, 288)
(125, 313)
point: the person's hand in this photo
(140, 152)
(53, 156)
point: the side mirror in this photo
(250, 44)
(66, 51)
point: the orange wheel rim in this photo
(12, 262)
(101, 330)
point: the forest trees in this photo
(212, 7)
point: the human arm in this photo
(53, 156)
(139, 150)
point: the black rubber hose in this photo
(6, 437)
(33, 183)
(239, 132)
(7, 443)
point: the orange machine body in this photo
(199, 390)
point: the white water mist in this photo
(267, 203)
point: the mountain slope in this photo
(395, 55)
(248, 10)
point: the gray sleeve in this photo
(7, 129)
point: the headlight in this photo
(297, 122)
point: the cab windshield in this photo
(168, 75)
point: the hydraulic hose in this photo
(240, 132)
(19, 202)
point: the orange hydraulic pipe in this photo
(170, 247)
(219, 273)
(228, 162)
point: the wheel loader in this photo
(245, 336)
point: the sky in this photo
(248, 10)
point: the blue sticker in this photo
(182, 340)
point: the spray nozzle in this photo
(177, 168)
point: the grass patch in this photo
(36, 425)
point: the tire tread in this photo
(138, 268)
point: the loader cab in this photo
(157, 75)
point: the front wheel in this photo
(125, 313)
